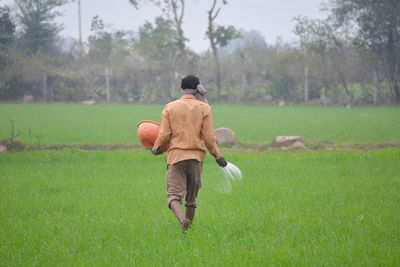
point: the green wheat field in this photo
(108, 124)
(108, 208)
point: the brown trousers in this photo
(184, 181)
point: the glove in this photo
(222, 162)
(155, 152)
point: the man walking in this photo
(185, 123)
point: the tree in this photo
(173, 10)
(8, 69)
(7, 31)
(245, 59)
(7, 27)
(219, 36)
(377, 31)
(178, 9)
(158, 45)
(108, 51)
(324, 42)
(373, 29)
(100, 41)
(37, 17)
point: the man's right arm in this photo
(210, 140)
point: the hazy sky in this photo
(272, 18)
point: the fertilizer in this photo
(232, 172)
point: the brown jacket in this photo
(185, 123)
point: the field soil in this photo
(18, 146)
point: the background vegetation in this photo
(352, 57)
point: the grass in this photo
(109, 208)
(116, 124)
(101, 208)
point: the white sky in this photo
(272, 18)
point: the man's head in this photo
(190, 82)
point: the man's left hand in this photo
(222, 162)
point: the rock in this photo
(3, 148)
(268, 97)
(298, 145)
(12, 144)
(225, 136)
(88, 102)
(344, 100)
(15, 142)
(284, 140)
(324, 101)
(27, 99)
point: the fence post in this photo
(107, 76)
(44, 93)
(375, 96)
(305, 84)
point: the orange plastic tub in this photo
(148, 133)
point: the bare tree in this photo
(212, 15)
(178, 9)
(219, 36)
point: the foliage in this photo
(223, 35)
(330, 50)
(377, 32)
(7, 37)
(100, 42)
(7, 28)
(37, 21)
(172, 11)
(157, 43)
(146, 65)
(370, 26)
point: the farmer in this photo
(185, 123)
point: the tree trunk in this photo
(396, 90)
(213, 44)
(346, 89)
(396, 81)
(80, 25)
(375, 96)
(217, 73)
(393, 64)
(178, 18)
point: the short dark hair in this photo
(190, 82)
